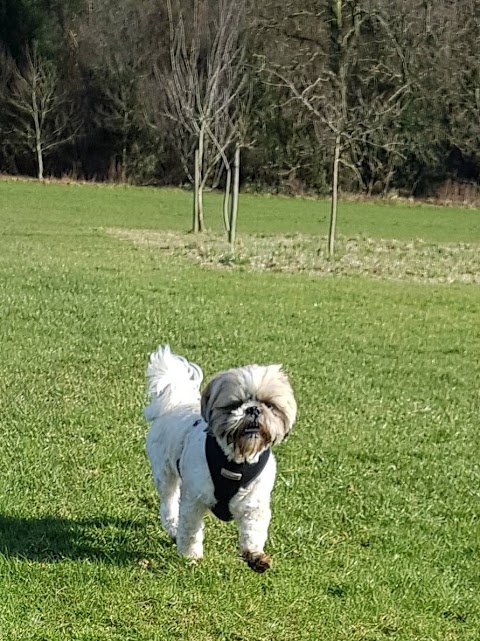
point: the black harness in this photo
(228, 477)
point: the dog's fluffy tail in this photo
(172, 381)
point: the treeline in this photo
(377, 95)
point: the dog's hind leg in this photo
(168, 486)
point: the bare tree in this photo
(326, 79)
(110, 44)
(45, 117)
(460, 69)
(319, 79)
(202, 84)
(407, 72)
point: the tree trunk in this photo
(339, 68)
(226, 198)
(201, 223)
(39, 159)
(333, 209)
(38, 131)
(336, 26)
(201, 182)
(235, 192)
(196, 186)
(428, 16)
(125, 129)
(123, 176)
(388, 180)
(371, 182)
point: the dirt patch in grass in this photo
(413, 260)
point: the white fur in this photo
(178, 433)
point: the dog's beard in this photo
(245, 437)
(249, 409)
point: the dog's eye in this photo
(234, 406)
(269, 405)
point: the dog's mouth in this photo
(251, 430)
(251, 439)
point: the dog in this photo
(212, 450)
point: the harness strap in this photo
(228, 477)
(197, 422)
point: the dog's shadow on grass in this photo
(50, 539)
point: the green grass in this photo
(46, 208)
(375, 532)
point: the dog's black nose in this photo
(253, 410)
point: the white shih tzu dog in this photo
(211, 451)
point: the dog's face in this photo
(249, 409)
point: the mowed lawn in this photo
(375, 532)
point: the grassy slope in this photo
(76, 207)
(375, 532)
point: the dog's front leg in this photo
(253, 532)
(190, 528)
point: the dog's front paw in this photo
(192, 552)
(258, 561)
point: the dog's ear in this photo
(205, 404)
(210, 395)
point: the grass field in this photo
(375, 532)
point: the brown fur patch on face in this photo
(248, 446)
(257, 561)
